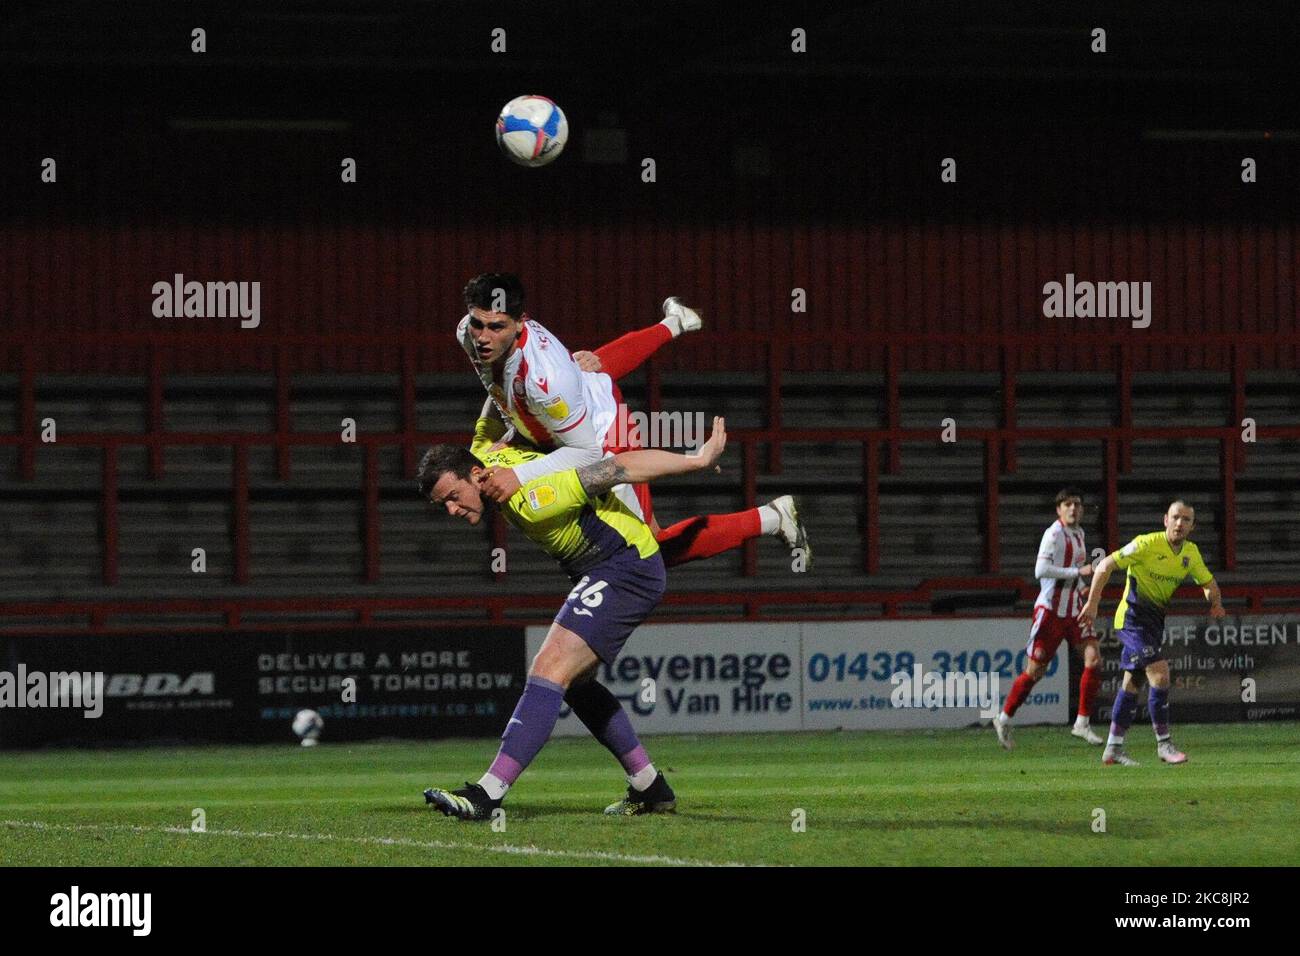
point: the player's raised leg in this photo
(1089, 684)
(704, 536)
(628, 352)
(602, 714)
(1158, 705)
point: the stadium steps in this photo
(306, 532)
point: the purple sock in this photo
(1158, 704)
(529, 728)
(1122, 714)
(601, 713)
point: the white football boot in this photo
(680, 318)
(1002, 727)
(1115, 756)
(1169, 753)
(1084, 732)
(791, 529)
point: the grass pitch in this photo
(871, 799)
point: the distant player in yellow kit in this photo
(1157, 565)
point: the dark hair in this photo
(439, 460)
(481, 290)
(1065, 494)
(1179, 501)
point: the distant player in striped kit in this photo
(1062, 569)
(572, 414)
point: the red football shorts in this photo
(1047, 632)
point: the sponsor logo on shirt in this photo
(541, 497)
(557, 408)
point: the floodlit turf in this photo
(945, 798)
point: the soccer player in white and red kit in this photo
(1062, 568)
(572, 415)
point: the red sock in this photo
(627, 352)
(706, 535)
(1089, 684)
(1019, 691)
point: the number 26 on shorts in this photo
(590, 597)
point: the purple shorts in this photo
(1141, 648)
(612, 599)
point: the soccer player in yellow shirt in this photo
(618, 577)
(1157, 564)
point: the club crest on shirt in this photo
(540, 497)
(557, 408)
(1186, 561)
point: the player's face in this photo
(1179, 521)
(494, 334)
(459, 496)
(1070, 511)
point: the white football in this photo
(532, 130)
(308, 724)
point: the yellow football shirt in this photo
(555, 512)
(1155, 572)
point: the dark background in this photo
(774, 169)
(854, 125)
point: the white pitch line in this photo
(506, 848)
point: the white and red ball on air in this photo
(532, 130)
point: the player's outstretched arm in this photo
(650, 464)
(1100, 575)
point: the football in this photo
(308, 724)
(532, 130)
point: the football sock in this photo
(1019, 691)
(626, 353)
(768, 519)
(706, 535)
(1089, 684)
(1122, 714)
(493, 786)
(1158, 704)
(673, 324)
(528, 729)
(643, 778)
(601, 713)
